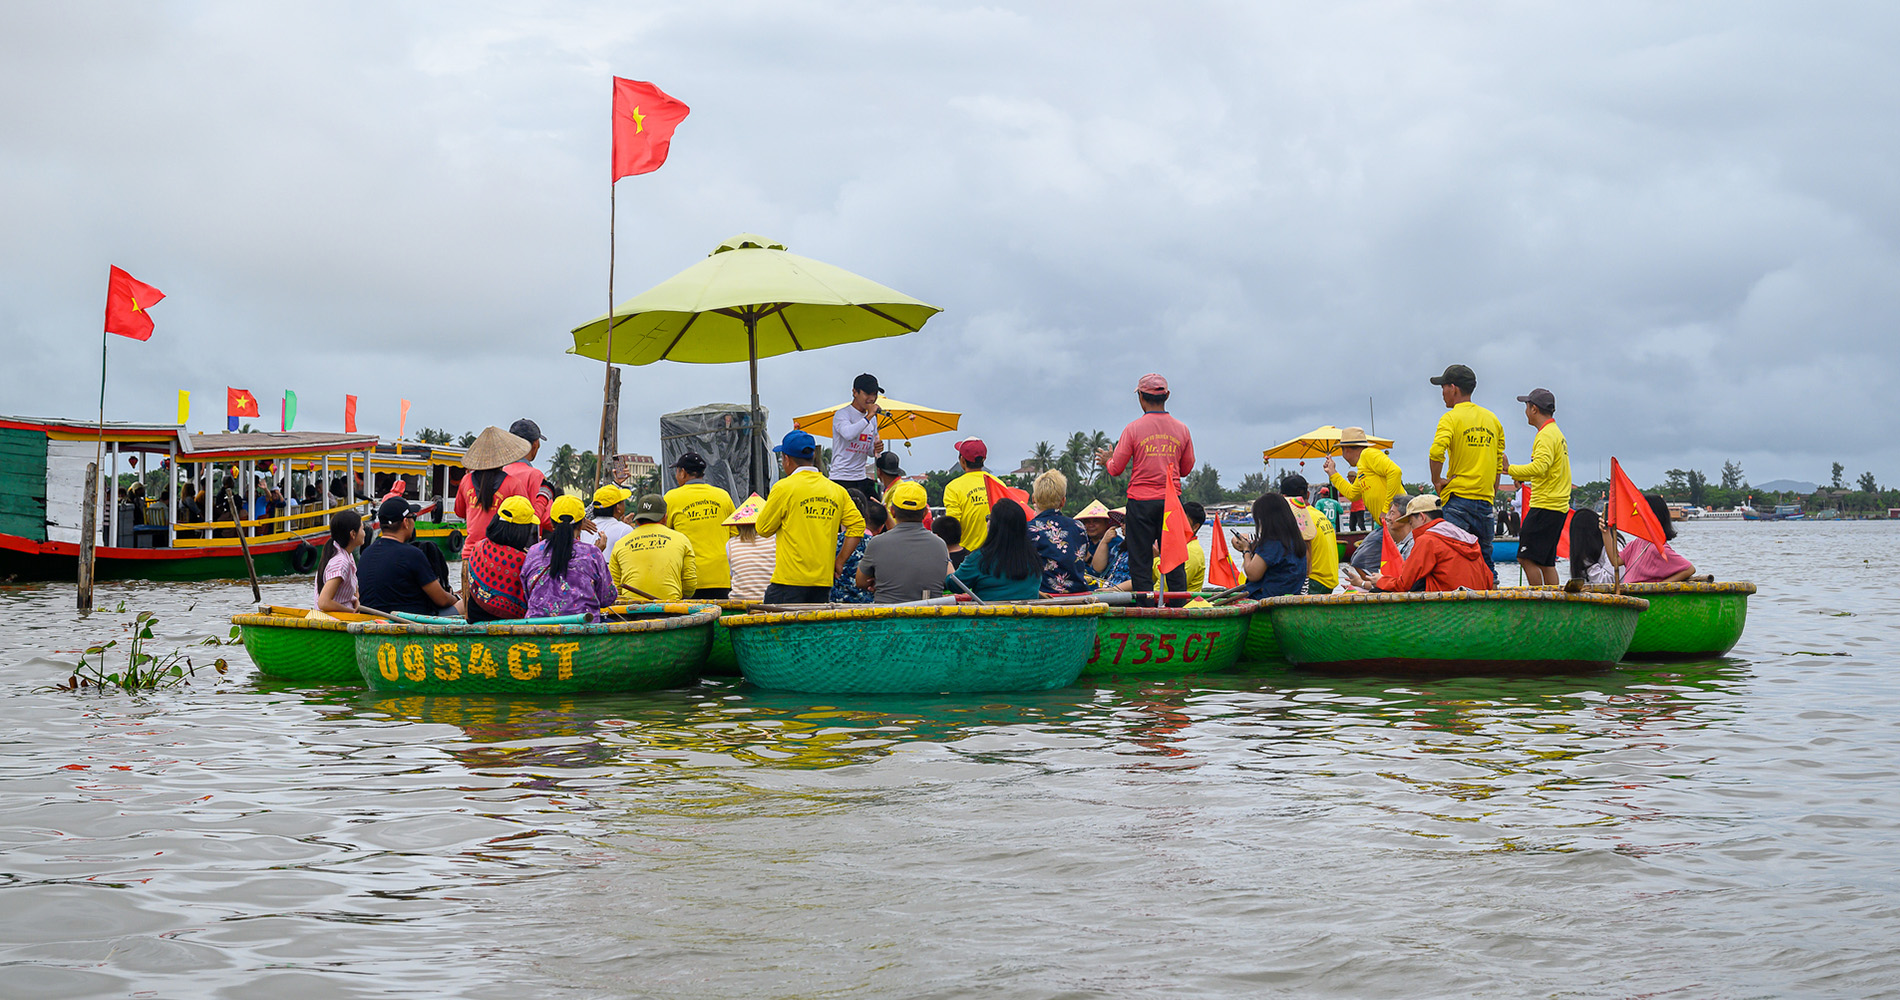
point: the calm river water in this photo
(1721, 829)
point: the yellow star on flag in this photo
(638, 119)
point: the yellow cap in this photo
(517, 510)
(570, 509)
(609, 494)
(907, 495)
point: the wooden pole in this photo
(244, 546)
(91, 512)
(609, 390)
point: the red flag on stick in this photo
(402, 425)
(1390, 562)
(1220, 564)
(1563, 540)
(1175, 533)
(349, 414)
(239, 403)
(1629, 510)
(127, 299)
(998, 492)
(644, 120)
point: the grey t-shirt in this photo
(908, 563)
(1365, 558)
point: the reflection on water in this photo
(1716, 828)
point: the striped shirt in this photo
(751, 565)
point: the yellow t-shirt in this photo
(1548, 471)
(1474, 440)
(806, 511)
(699, 510)
(657, 560)
(967, 499)
(1196, 565)
(1322, 553)
(1377, 482)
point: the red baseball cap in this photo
(1152, 384)
(972, 448)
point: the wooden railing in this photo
(285, 534)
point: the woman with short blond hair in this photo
(1060, 541)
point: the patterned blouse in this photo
(587, 587)
(844, 589)
(1117, 564)
(494, 578)
(1064, 547)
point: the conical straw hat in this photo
(748, 512)
(494, 449)
(1094, 509)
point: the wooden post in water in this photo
(244, 546)
(89, 517)
(609, 443)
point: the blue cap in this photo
(798, 444)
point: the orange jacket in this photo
(1445, 556)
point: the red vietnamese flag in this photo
(349, 414)
(1175, 533)
(1563, 540)
(127, 298)
(997, 492)
(1523, 503)
(1629, 510)
(1220, 564)
(1390, 562)
(239, 403)
(644, 120)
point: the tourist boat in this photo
(42, 495)
(1504, 549)
(433, 473)
(1686, 621)
(288, 644)
(719, 659)
(657, 646)
(929, 649)
(1460, 631)
(1169, 640)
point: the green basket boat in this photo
(1169, 640)
(1454, 632)
(937, 649)
(719, 659)
(1686, 621)
(288, 644)
(659, 646)
(1261, 646)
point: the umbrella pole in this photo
(755, 454)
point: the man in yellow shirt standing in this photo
(698, 509)
(653, 562)
(1322, 547)
(806, 512)
(1466, 458)
(1548, 472)
(1378, 479)
(967, 497)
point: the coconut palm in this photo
(1044, 457)
(561, 467)
(467, 440)
(1076, 451)
(1098, 441)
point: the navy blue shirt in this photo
(1286, 572)
(390, 576)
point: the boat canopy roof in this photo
(163, 438)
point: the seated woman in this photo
(1643, 562)
(750, 554)
(563, 575)
(1061, 542)
(1275, 561)
(844, 586)
(491, 587)
(1004, 567)
(336, 566)
(1107, 553)
(1589, 559)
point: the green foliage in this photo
(429, 435)
(561, 467)
(143, 671)
(467, 440)
(1867, 483)
(1838, 469)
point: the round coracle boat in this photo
(938, 649)
(658, 646)
(1686, 621)
(290, 644)
(1459, 631)
(1260, 645)
(1169, 640)
(719, 659)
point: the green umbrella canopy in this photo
(750, 284)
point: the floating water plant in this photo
(143, 671)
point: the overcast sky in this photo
(1681, 217)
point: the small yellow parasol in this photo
(900, 421)
(1318, 443)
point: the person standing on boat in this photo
(1466, 458)
(1548, 472)
(1444, 555)
(807, 513)
(1322, 556)
(854, 440)
(698, 509)
(498, 468)
(908, 562)
(393, 575)
(966, 499)
(1377, 478)
(654, 562)
(1159, 449)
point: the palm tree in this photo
(1098, 442)
(467, 440)
(1076, 451)
(561, 467)
(1044, 457)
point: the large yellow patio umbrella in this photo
(1320, 442)
(900, 421)
(749, 299)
